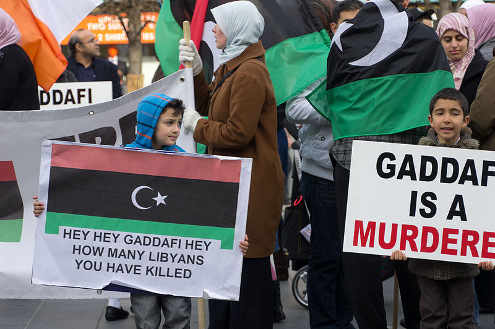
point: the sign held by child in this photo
(168, 223)
(431, 203)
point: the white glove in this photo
(189, 53)
(190, 120)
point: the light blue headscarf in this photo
(242, 24)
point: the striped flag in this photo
(140, 192)
(43, 25)
(296, 43)
(383, 69)
(11, 208)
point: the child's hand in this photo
(38, 207)
(398, 255)
(244, 245)
(486, 266)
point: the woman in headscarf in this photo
(18, 84)
(482, 19)
(242, 122)
(459, 42)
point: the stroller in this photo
(296, 232)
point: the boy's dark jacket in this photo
(438, 270)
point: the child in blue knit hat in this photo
(159, 119)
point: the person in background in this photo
(362, 272)
(86, 65)
(483, 110)
(482, 19)
(327, 302)
(426, 17)
(466, 63)
(18, 84)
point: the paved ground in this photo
(88, 314)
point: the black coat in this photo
(104, 71)
(18, 84)
(472, 78)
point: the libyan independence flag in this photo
(108, 188)
(383, 69)
(11, 208)
(296, 43)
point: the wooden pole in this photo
(395, 319)
(201, 302)
(187, 36)
(201, 314)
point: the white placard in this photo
(431, 202)
(96, 232)
(75, 94)
(109, 123)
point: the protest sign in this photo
(75, 94)
(161, 222)
(430, 202)
(21, 134)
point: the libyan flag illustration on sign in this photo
(11, 208)
(111, 207)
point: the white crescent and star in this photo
(395, 25)
(160, 199)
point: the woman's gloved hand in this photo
(189, 53)
(190, 119)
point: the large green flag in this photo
(383, 70)
(296, 43)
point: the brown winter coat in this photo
(242, 122)
(483, 110)
(438, 270)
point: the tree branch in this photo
(121, 19)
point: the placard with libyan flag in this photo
(168, 223)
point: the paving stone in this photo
(16, 313)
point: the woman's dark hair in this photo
(323, 9)
(451, 94)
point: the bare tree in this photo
(129, 14)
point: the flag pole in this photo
(187, 36)
(201, 302)
(395, 318)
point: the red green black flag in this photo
(296, 43)
(383, 69)
(11, 207)
(142, 192)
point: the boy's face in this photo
(447, 119)
(167, 129)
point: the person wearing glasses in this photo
(85, 63)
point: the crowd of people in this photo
(236, 115)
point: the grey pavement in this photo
(88, 314)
